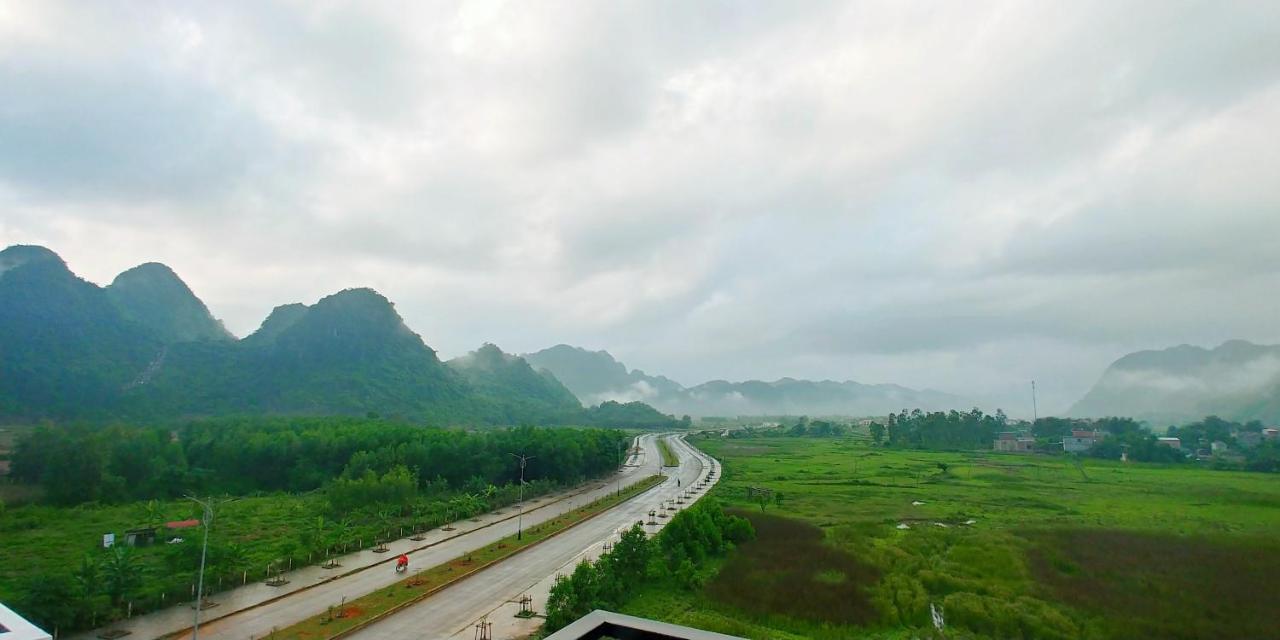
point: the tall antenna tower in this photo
(1035, 413)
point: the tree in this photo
(877, 432)
(630, 556)
(121, 574)
(50, 601)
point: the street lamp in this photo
(524, 460)
(204, 549)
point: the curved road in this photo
(493, 594)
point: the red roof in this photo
(183, 524)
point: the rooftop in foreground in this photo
(606, 624)
(15, 627)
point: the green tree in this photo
(877, 432)
(121, 574)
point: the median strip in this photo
(669, 458)
(346, 617)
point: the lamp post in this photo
(204, 549)
(524, 460)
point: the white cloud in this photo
(935, 195)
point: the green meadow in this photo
(856, 540)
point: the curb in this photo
(277, 598)
(434, 590)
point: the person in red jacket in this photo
(402, 563)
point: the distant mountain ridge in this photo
(597, 376)
(1237, 380)
(145, 347)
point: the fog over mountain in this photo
(960, 196)
(1237, 380)
(595, 376)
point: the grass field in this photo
(863, 540)
(669, 458)
(39, 541)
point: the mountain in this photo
(595, 376)
(152, 295)
(146, 348)
(347, 354)
(513, 391)
(1237, 380)
(65, 349)
(788, 396)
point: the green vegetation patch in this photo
(1000, 545)
(788, 570)
(1154, 585)
(669, 458)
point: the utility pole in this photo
(204, 550)
(1035, 413)
(524, 460)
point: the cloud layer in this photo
(962, 196)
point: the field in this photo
(249, 534)
(862, 541)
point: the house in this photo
(1172, 443)
(1014, 442)
(140, 537)
(1080, 441)
(1218, 446)
(1249, 439)
(1271, 433)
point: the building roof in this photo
(607, 624)
(15, 627)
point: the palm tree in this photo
(122, 575)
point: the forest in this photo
(301, 489)
(121, 463)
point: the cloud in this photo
(957, 196)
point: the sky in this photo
(963, 196)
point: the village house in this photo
(1172, 443)
(1014, 442)
(1080, 441)
(1248, 439)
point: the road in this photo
(494, 593)
(256, 609)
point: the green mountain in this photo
(1237, 380)
(595, 376)
(512, 391)
(65, 349)
(146, 348)
(349, 353)
(152, 295)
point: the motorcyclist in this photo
(402, 563)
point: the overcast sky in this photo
(957, 195)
